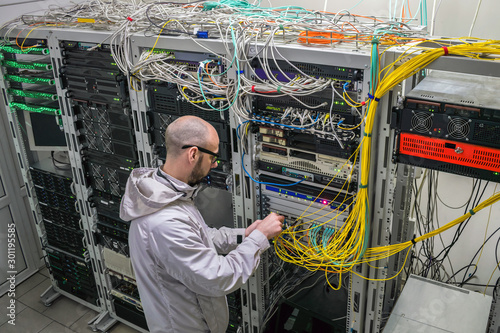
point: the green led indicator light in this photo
(495, 173)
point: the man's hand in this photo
(271, 226)
(252, 227)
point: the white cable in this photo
(475, 17)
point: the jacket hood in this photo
(149, 190)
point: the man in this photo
(181, 278)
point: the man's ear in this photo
(192, 154)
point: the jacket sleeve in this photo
(182, 253)
(226, 239)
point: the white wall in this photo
(10, 9)
(452, 18)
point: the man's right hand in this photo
(272, 225)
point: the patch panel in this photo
(343, 144)
(330, 167)
(190, 61)
(338, 182)
(268, 106)
(317, 196)
(285, 72)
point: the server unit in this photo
(451, 122)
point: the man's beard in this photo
(196, 175)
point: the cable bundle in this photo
(348, 246)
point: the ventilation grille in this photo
(465, 101)
(421, 122)
(304, 67)
(165, 103)
(487, 133)
(458, 128)
(188, 109)
(164, 121)
(450, 152)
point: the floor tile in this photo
(59, 311)
(32, 298)
(56, 328)
(122, 328)
(44, 271)
(4, 303)
(81, 325)
(27, 321)
(29, 284)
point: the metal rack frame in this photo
(389, 184)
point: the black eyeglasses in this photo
(203, 150)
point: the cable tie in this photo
(363, 186)
(367, 134)
(130, 19)
(253, 89)
(445, 50)
(472, 212)
(241, 72)
(413, 241)
(279, 89)
(370, 96)
(363, 103)
(282, 27)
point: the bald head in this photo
(188, 130)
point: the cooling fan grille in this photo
(458, 128)
(421, 122)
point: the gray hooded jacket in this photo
(182, 280)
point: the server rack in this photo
(104, 236)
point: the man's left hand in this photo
(252, 227)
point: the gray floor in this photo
(63, 316)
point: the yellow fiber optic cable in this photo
(347, 246)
